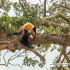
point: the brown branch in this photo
(54, 9)
(63, 52)
(67, 59)
(49, 38)
(45, 22)
(57, 67)
(8, 42)
(21, 4)
(3, 1)
(3, 64)
(56, 16)
(64, 57)
(15, 44)
(64, 17)
(38, 54)
(51, 17)
(65, 29)
(59, 57)
(44, 8)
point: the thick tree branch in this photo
(48, 38)
(57, 16)
(15, 44)
(45, 22)
(65, 29)
(8, 42)
(51, 17)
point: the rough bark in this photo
(44, 8)
(47, 38)
(15, 44)
(45, 22)
(50, 38)
(57, 16)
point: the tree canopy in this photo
(53, 25)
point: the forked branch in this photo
(15, 44)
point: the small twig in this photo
(11, 58)
(63, 6)
(4, 57)
(16, 65)
(59, 5)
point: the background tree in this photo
(55, 26)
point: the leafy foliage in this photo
(30, 12)
(7, 6)
(19, 21)
(5, 24)
(30, 61)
